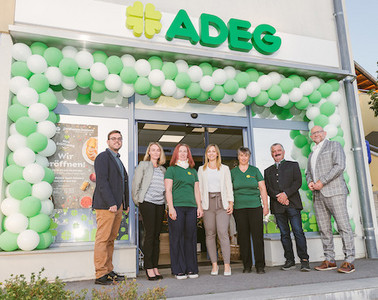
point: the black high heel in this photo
(152, 278)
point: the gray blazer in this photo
(142, 179)
(330, 166)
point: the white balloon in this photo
(38, 112)
(36, 64)
(21, 52)
(113, 83)
(47, 207)
(182, 65)
(195, 73)
(310, 125)
(69, 83)
(12, 129)
(179, 94)
(335, 98)
(270, 103)
(17, 83)
(312, 112)
(24, 156)
(99, 71)
(316, 82)
(335, 119)
(276, 78)
(219, 76)
(253, 89)
(302, 161)
(16, 223)
(265, 82)
(126, 90)
(70, 95)
(47, 128)
(10, 206)
(156, 77)
(320, 102)
(168, 88)
(42, 160)
(50, 149)
(69, 51)
(295, 95)
(295, 111)
(28, 240)
(283, 100)
(226, 99)
(53, 75)
(84, 59)
(230, 72)
(307, 88)
(16, 141)
(331, 130)
(265, 114)
(33, 173)
(257, 109)
(142, 67)
(207, 83)
(240, 96)
(7, 194)
(27, 96)
(42, 190)
(128, 60)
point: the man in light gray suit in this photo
(325, 179)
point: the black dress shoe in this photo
(115, 276)
(158, 277)
(260, 271)
(152, 278)
(247, 270)
(104, 280)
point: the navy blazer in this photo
(288, 179)
(110, 189)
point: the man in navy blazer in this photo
(110, 198)
(283, 180)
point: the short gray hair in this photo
(244, 150)
(277, 144)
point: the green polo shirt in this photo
(183, 185)
(246, 187)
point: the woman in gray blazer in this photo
(148, 193)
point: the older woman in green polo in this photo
(249, 191)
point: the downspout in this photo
(357, 144)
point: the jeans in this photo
(293, 216)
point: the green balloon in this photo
(38, 48)
(142, 85)
(207, 69)
(114, 64)
(327, 108)
(98, 86)
(306, 150)
(99, 56)
(242, 79)
(352, 224)
(300, 141)
(303, 103)
(154, 92)
(339, 139)
(15, 100)
(129, 75)
(19, 68)
(10, 160)
(304, 185)
(286, 85)
(325, 90)
(334, 84)
(262, 98)
(26, 126)
(49, 175)
(276, 110)
(315, 97)
(346, 177)
(340, 132)
(294, 133)
(248, 101)
(321, 120)
(155, 62)
(83, 99)
(68, 66)
(45, 240)
(30, 206)
(193, 91)
(296, 79)
(36, 141)
(56, 88)
(8, 241)
(217, 93)
(39, 82)
(275, 92)
(204, 96)
(53, 56)
(40, 223)
(253, 74)
(182, 80)
(49, 99)
(231, 86)
(309, 195)
(13, 173)
(284, 115)
(288, 105)
(16, 111)
(83, 78)
(170, 70)
(53, 117)
(19, 189)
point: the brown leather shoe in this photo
(326, 265)
(346, 268)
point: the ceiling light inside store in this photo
(170, 138)
(202, 129)
(156, 126)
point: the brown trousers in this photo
(108, 224)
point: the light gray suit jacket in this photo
(330, 166)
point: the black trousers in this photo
(249, 221)
(152, 221)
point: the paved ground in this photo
(274, 284)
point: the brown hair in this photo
(112, 132)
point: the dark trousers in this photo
(249, 221)
(152, 221)
(183, 241)
(293, 216)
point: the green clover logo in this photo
(135, 16)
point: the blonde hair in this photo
(218, 160)
(161, 160)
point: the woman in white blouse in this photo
(217, 202)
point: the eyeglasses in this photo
(116, 139)
(317, 132)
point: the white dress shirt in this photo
(314, 157)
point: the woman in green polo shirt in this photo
(184, 206)
(249, 189)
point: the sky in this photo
(363, 25)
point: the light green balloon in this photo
(8, 241)
(142, 86)
(53, 117)
(327, 108)
(19, 189)
(207, 69)
(45, 240)
(321, 120)
(19, 68)
(99, 56)
(129, 75)
(53, 56)
(155, 62)
(296, 79)
(193, 91)
(13, 173)
(325, 90)
(83, 78)
(242, 79)
(315, 97)
(39, 82)
(170, 70)
(339, 139)
(68, 66)
(154, 92)
(15, 100)
(253, 74)
(38, 48)
(248, 101)
(309, 195)
(30, 206)
(275, 92)
(294, 133)
(306, 150)
(182, 80)
(217, 93)
(300, 141)
(231, 86)
(204, 96)
(48, 99)
(334, 84)
(83, 99)
(16, 111)
(10, 160)
(114, 64)
(346, 177)
(36, 141)
(40, 223)
(340, 132)
(49, 175)
(286, 85)
(98, 86)
(262, 98)
(26, 126)
(303, 103)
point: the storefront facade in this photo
(247, 73)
